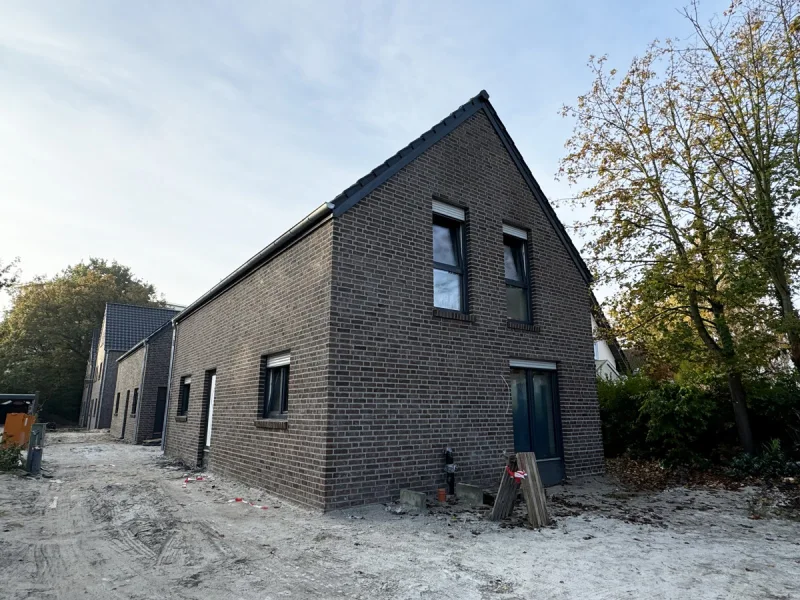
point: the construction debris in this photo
(533, 491)
(521, 472)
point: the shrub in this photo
(10, 455)
(681, 421)
(620, 402)
(770, 463)
(775, 410)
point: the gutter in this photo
(169, 386)
(319, 215)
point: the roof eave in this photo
(294, 234)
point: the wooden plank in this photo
(533, 490)
(507, 494)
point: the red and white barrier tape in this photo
(189, 479)
(243, 501)
(516, 475)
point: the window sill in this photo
(271, 423)
(524, 326)
(181, 419)
(443, 313)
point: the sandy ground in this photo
(114, 521)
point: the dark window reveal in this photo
(516, 273)
(183, 404)
(448, 264)
(116, 406)
(276, 392)
(135, 401)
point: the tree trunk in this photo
(789, 316)
(739, 401)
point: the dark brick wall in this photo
(129, 378)
(285, 305)
(405, 383)
(379, 385)
(106, 388)
(156, 374)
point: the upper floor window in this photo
(515, 259)
(276, 386)
(449, 258)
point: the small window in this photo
(449, 264)
(183, 404)
(99, 373)
(135, 401)
(516, 273)
(116, 406)
(276, 387)
(596, 350)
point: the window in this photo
(135, 401)
(127, 399)
(276, 386)
(515, 259)
(596, 350)
(116, 406)
(183, 403)
(449, 264)
(99, 373)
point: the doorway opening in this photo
(537, 418)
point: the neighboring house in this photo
(437, 303)
(123, 326)
(140, 396)
(88, 380)
(609, 359)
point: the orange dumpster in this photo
(18, 428)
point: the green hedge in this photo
(692, 422)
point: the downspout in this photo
(141, 394)
(169, 386)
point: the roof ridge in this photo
(341, 198)
(141, 306)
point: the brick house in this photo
(123, 326)
(140, 397)
(438, 302)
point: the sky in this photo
(180, 138)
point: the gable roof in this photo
(126, 324)
(361, 188)
(166, 326)
(380, 174)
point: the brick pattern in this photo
(106, 386)
(380, 383)
(147, 368)
(129, 378)
(285, 305)
(405, 383)
(156, 374)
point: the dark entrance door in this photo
(161, 406)
(124, 419)
(537, 420)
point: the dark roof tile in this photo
(126, 324)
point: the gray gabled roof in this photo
(146, 340)
(126, 324)
(379, 175)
